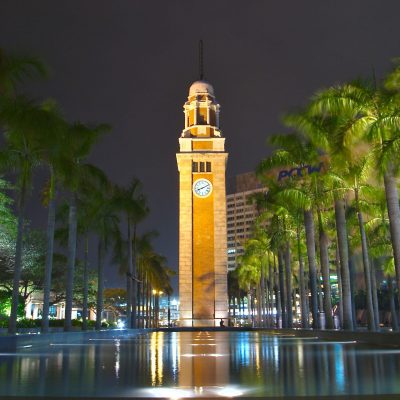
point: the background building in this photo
(240, 215)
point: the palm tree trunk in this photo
(134, 283)
(259, 304)
(339, 282)
(270, 283)
(367, 270)
(262, 295)
(266, 302)
(375, 295)
(12, 324)
(310, 242)
(72, 224)
(288, 273)
(139, 305)
(303, 296)
(353, 289)
(341, 232)
(324, 258)
(278, 306)
(143, 299)
(147, 303)
(282, 289)
(393, 312)
(392, 200)
(85, 284)
(249, 309)
(100, 284)
(129, 280)
(51, 222)
(320, 295)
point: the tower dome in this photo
(201, 87)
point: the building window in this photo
(202, 166)
(208, 166)
(195, 166)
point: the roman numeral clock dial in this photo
(202, 188)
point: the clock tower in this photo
(202, 211)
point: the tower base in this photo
(202, 322)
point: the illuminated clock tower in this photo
(202, 211)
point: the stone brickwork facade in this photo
(202, 212)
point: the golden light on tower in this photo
(202, 211)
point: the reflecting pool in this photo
(195, 364)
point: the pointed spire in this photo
(201, 66)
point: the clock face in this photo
(202, 187)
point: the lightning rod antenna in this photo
(201, 66)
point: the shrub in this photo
(27, 323)
(91, 324)
(56, 323)
(76, 322)
(4, 321)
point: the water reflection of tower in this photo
(204, 359)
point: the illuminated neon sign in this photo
(300, 171)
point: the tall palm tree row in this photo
(37, 135)
(343, 158)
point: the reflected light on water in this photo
(197, 391)
(175, 365)
(203, 344)
(339, 368)
(204, 355)
(169, 393)
(117, 358)
(175, 355)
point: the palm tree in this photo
(295, 152)
(155, 276)
(107, 228)
(14, 69)
(322, 129)
(249, 273)
(21, 155)
(375, 118)
(79, 142)
(256, 252)
(132, 202)
(48, 129)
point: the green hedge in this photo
(53, 323)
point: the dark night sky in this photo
(130, 64)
